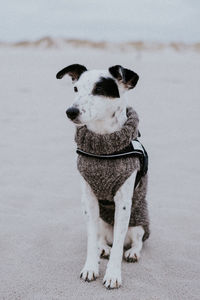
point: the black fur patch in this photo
(74, 71)
(106, 87)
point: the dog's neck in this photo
(112, 121)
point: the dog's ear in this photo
(127, 77)
(74, 71)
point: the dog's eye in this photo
(98, 89)
(75, 89)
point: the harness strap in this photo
(110, 156)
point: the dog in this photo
(100, 110)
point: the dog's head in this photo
(97, 92)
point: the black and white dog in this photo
(92, 107)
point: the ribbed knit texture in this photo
(105, 176)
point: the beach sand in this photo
(42, 229)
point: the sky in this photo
(105, 20)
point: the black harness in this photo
(134, 149)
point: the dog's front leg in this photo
(90, 270)
(123, 202)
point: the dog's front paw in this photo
(89, 273)
(132, 255)
(112, 279)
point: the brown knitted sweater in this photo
(106, 176)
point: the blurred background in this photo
(127, 20)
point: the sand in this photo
(42, 230)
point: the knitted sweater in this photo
(106, 176)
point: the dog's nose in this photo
(72, 113)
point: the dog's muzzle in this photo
(72, 113)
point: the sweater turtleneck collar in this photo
(92, 142)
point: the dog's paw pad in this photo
(112, 281)
(132, 255)
(105, 251)
(89, 275)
